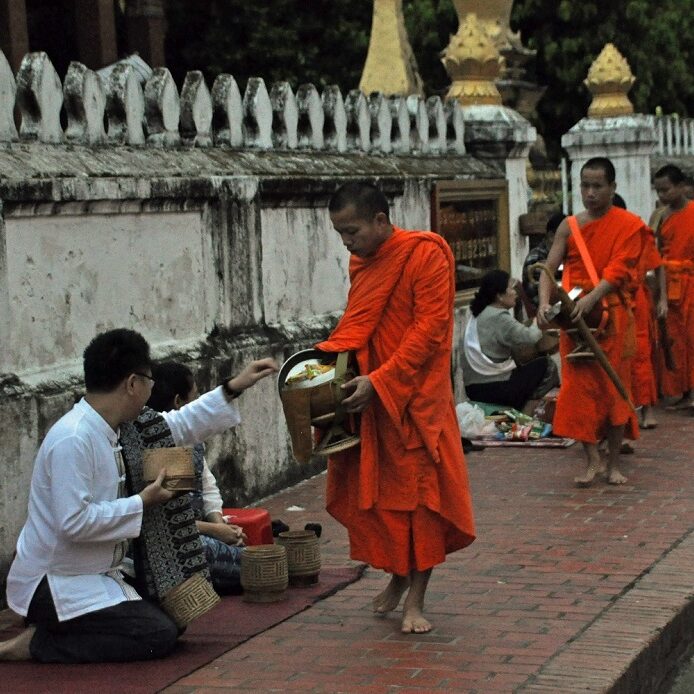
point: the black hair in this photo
(619, 201)
(554, 221)
(171, 378)
(601, 163)
(493, 283)
(112, 356)
(367, 199)
(672, 172)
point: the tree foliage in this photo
(326, 41)
(656, 38)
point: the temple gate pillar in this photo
(613, 130)
(493, 132)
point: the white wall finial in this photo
(335, 126)
(39, 97)
(85, 102)
(125, 106)
(381, 123)
(358, 121)
(196, 111)
(311, 118)
(285, 116)
(162, 109)
(400, 132)
(227, 112)
(8, 92)
(419, 124)
(455, 126)
(257, 115)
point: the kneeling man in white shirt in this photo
(66, 579)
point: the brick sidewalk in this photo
(565, 589)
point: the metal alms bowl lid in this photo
(296, 363)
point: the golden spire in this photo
(390, 66)
(609, 80)
(473, 62)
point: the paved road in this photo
(561, 591)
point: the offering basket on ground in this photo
(313, 398)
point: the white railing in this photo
(115, 108)
(675, 136)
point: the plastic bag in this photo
(472, 422)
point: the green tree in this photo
(656, 38)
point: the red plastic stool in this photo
(254, 521)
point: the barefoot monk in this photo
(589, 407)
(403, 493)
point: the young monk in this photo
(403, 494)
(674, 223)
(589, 407)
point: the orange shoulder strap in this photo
(583, 250)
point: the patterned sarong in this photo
(169, 549)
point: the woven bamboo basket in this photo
(180, 473)
(264, 573)
(189, 600)
(303, 556)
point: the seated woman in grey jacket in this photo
(492, 336)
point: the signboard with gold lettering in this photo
(473, 217)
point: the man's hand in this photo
(155, 493)
(584, 306)
(252, 373)
(542, 321)
(661, 308)
(363, 391)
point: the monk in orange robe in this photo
(589, 407)
(674, 222)
(644, 386)
(403, 494)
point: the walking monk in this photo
(674, 224)
(644, 386)
(403, 494)
(589, 407)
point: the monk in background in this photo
(589, 407)
(403, 494)
(674, 224)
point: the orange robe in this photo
(677, 249)
(588, 402)
(403, 494)
(643, 376)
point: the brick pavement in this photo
(565, 589)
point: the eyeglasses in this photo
(137, 373)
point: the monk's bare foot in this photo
(684, 403)
(388, 599)
(18, 647)
(648, 420)
(413, 621)
(596, 466)
(616, 477)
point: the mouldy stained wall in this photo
(214, 243)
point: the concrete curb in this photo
(638, 640)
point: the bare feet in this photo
(616, 477)
(684, 403)
(388, 599)
(18, 647)
(648, 420)
(413, 621)
(596, 466)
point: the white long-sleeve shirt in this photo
(76, 523)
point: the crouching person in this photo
(66, 577)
